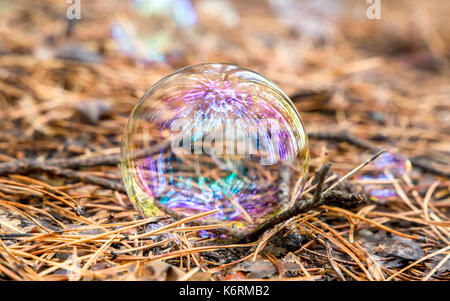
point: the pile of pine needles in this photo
(66, 91)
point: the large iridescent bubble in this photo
(215, 136)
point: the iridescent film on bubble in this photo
(215, 136)
(388, 166)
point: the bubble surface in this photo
(215, 136)
(388, 166)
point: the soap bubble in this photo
(388, 166)
(215, 136)
(393, 164)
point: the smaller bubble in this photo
(388, 166)
(393, 163)
(378, 192)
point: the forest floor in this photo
(68, 87)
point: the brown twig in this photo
(303, 206)
(23, 166)
(342, 137)
(74, 175)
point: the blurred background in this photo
(71, 71)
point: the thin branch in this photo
(303, 206)
(356, 169)
(350, 139)
(23, 166)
